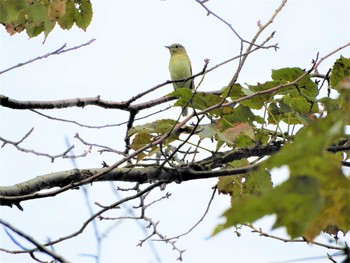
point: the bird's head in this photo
(176, 49)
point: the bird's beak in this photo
(168, 47)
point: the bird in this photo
(180, 68)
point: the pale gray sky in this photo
(127, 58)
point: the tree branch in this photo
(56, 52)
(96, 215)
(18, 147)
(39, 246)
(13, 195)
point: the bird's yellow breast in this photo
(180, 68)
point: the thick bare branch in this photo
(13, 195)
(31, 189)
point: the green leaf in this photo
(156, 127)
(258, 182)
(295, 203)
(305, 86)
(38, 19)
(83, 13)
(259, 101)
(330, 105)
(279, 111)
(198, 100)
(231, 185)
(67, 20)
(300, 105)
(307, 155)
(235, 92)
(144, 134)
(10, 10)
(240, 132)
(340, 70)
(336, 210)
(184, 96)
(240, 114)
(243, 186)
(312, 140)
(40, 16)
(140, 141)
(314, 198)
(212, 132)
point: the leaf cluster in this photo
(41, 16)
(292, 108)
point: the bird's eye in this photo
(176, 46)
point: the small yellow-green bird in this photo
(180, 68)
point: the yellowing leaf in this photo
(295, 203)
(57, 9)
(243, 186)
(156, 127)
(40, 16)
(335, 190)
(211, 131)
(239, 129)
(140, 140)
(231, 185)
(67, 20)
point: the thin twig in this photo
(96, 126)
(16, 145)
(328, 55)
(97, 214)
(201, 219)
(287, 240)
(39, 246)
(60, 50)
(253, 41)
(105, 148)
